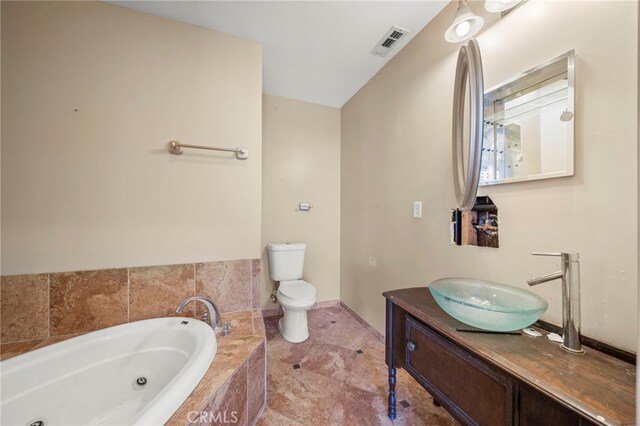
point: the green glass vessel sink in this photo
(487, 305)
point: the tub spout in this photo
(211, 315)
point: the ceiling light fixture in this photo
(496, 6)
(465, 25)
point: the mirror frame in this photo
(469, 68)
(527, 79)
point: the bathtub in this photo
(137, 373)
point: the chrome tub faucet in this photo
(569, 273)
(210, 316)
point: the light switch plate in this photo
(417, 209)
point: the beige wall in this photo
(96, 188)
(301, 162)
(396, 134)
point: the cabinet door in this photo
(539, 410)
(469, 389)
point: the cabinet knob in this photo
(410, 346)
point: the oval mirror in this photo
(468, 72)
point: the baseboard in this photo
(364, 323)
(277, 312)
(273, 312)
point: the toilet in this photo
(286, 261)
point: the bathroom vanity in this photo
(499, 379)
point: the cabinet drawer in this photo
(471, 391)
(538, 410)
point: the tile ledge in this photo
(225, 365)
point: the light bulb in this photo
(466, 24)
(463, 28)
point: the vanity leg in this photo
(392, 392)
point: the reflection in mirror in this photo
(528, 132)
(476, 227)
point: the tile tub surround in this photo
(86, 301)
(26, 316)
(236, 380)
(37, 307)
(338, 377)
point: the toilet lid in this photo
(297, 289)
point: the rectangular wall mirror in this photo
(528, 132)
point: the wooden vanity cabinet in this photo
(469, 389)
(538, 410)
(471, 385)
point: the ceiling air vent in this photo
(389, 41)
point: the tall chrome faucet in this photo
(211, 315)
(570, 276)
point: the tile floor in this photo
(338, 377)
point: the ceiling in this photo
(314, 51)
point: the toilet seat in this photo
(297, 290)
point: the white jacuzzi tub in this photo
(137, 373)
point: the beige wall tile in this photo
(241, 323)
(156, 291)
(24, 307)
(88, 300)
(258, 323)
(227, 283)
(83, 301)
(255, 283)
(256, 382)
(230, 402)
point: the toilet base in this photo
(293, 326)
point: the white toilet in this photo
(286, 261)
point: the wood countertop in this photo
(599, 386)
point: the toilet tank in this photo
(286, 261)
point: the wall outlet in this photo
(417, 209)
(373, 261)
